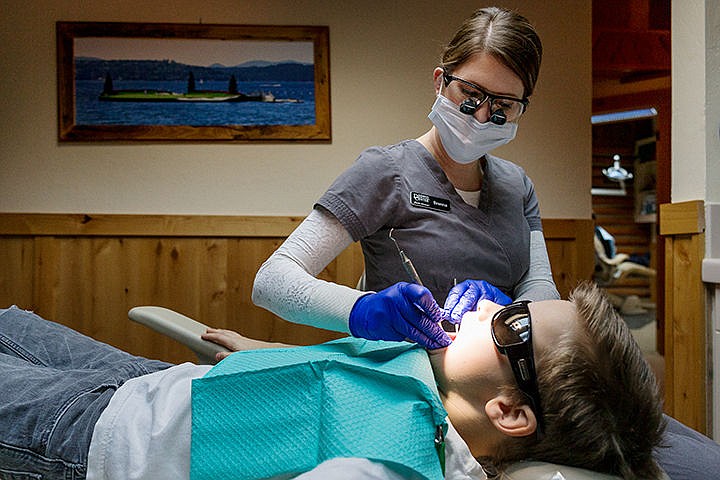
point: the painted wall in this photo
(381, 56)
(688, 95)
(696, 150)
(712, 101)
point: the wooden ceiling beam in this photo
(631, 51)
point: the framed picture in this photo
(202, 82)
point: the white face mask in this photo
(464, 138)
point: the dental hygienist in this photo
(469, 221)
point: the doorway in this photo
(643, 144)
(631, 71)
(624, 203)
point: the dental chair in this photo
(611, 267)
(187, 331)
(180, 328)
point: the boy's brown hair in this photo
(600, 399)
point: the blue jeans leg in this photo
(54, 384)
(26, 335)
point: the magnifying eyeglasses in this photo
(470, 105)
(501, 106)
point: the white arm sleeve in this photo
(286, 285)
(537, 284)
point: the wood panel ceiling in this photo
(630, 40)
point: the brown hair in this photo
(600, 399)
(506, 35)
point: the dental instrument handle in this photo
(457, 325)
(410, 269)
(406, 263)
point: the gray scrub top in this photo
(403, 187)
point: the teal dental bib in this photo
(281, 412)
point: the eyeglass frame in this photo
(471, 109)
(521, 357)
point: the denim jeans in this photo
(54, 384)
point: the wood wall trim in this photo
(143, 225)
(128, 225)
(686, 345)
(559, 228)
(682, 218)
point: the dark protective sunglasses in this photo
(511, 330)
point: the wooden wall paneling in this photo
(16, 264)
(139, 283)
(686, 343)
(245, 257)
(560, 253)
(188, 275)
(88, 271)
(193, 275)
(571, 252)
(46, 281)
(668, 341)
(102, 277)
(685, 331)
(142, 285)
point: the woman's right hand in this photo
(404, 311)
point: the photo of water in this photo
(293, 104)
(210, 82)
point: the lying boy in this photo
(557, 381)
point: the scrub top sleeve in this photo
(532, 206)
(537, 283)
(365, 196)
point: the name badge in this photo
(424, 200)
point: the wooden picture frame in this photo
(181, 82)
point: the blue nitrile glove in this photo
(404, 311)
(465, 296)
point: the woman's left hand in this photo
(465, 296)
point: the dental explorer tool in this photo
(457, 325)
(406, 263)
(415, 278)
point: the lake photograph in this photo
(195, 82)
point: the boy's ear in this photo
(510, 418)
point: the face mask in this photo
(464, 138)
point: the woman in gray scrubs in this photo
(469, 221)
